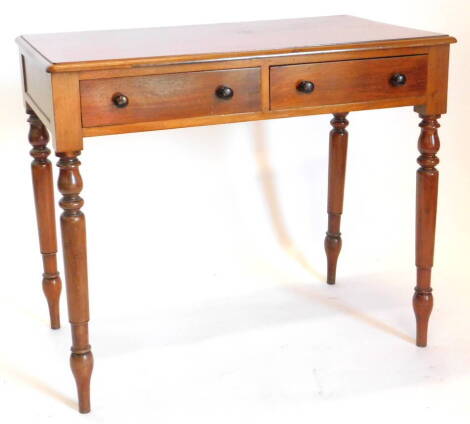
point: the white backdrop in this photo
(206, 262)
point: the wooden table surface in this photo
(218, 40)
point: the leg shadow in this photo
(288, 245)
(37, 384)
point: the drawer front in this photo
(348, 81)
(169, 96)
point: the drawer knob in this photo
(305, 86)
(120, 100)
(398, 80)
(224, 92)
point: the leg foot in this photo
(422, 305)
(52, 287)
(333, 244)
(82, 367)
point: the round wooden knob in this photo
(224, 92)
(305, 86)
(398, 80)
(120, 100)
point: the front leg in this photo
(75, 260)
(427, 178)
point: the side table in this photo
(87, 84)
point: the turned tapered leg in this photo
(336, 174)
(44, 199)
(75, 260)
(427, 178)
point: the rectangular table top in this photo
(73, 50)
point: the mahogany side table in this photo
(87, 84)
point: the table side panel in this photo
(37, 84)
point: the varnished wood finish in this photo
(438, 70)
(68, 132)
(41, 170)
(378, 41)
(37, 84)
(170, 96)
(236, 63)
(347, 81)
(336, 177)
(245, 117)
(75, 260)
(427, 178)
(54, 98)
(112, 82)
(104, 49)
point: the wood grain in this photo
(234, 63)
(336, 177)
(169, 76)
(67, 117)
(438, 70)
(170, 96)
(251, 116)
(36, 84)
(41, 171)
(132, 47)
(427, 178)
(73, 229)
(347, 81)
